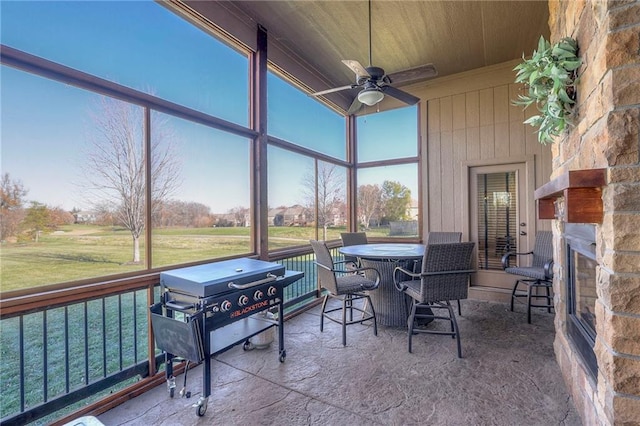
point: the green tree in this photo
(37, 220)
(396, 200)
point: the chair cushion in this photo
(530, 272)
(354, 282)
(434, 293)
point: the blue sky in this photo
(45, 125)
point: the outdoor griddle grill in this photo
(206, 309)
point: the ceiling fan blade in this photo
(400, 95)
(335, 89)
(356, 67)
(413, 75)
(355, 106)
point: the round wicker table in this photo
(390, 304)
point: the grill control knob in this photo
(272, 291)
(225, 306)
(243, 300)
(258, 295)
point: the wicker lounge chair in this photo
(346, 285)
(446, 269)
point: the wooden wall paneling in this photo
(516, 112)
(435, 186)
(486, 107)
(446, 162)
(446, 181)
(487, 142)
(501, 117)
(473, 143)
(516, 119)
(459, 156)
(459, 145)
(472, 119)
(459, 111)
(516, 138)
(531, 137)
(446, 114)
(472, 109)
(487, 135)
(433, 116)
(501, 104)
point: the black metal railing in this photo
(53, 358)
(56, 359)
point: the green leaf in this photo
(564, 97)
(542, 44)
(572, 65)
(535, 120)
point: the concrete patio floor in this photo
(507, 376)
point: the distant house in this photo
(296, 215)
(85, 217)
(232, 220)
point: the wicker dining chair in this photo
(352, 239)
(347, 286)
(439, 237)
(446, 269)
(443, 237)
(538, 275)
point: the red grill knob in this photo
(272, 291)
(258, 295)
(243, 300)
(225, 306)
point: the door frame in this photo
(499, 278)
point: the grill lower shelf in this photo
(230, 335)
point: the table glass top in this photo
(384, 251)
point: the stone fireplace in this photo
(597, 259)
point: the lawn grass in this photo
(78, 252)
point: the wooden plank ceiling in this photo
(308, 39)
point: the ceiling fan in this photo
(375, 83)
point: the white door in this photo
(498, 217)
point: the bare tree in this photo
(240, 214)
(330, 193)
(369, 203)
(12, 193)
(115, 168)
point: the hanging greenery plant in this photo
(550, 77)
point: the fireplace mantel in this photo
(582, 192)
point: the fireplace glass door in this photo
(581, 291)
(585, 291)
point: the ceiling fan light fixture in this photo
(370, 96)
